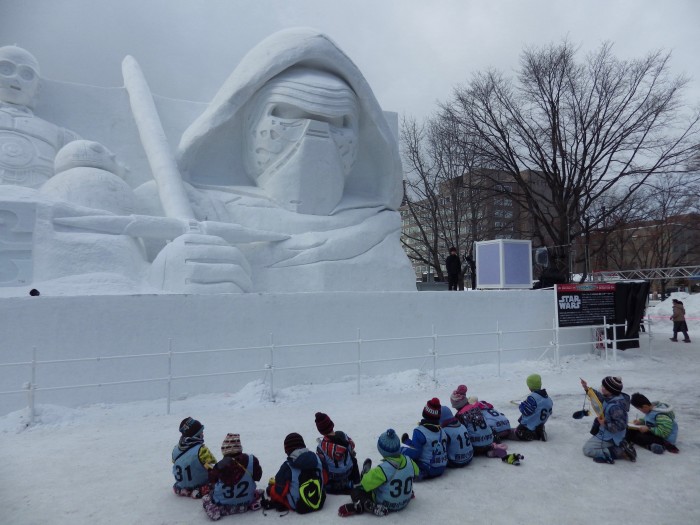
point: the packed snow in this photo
(106, 464)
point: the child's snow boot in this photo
(211, 508)
(605, 458)
(498, 450)
(656, 448)
(541, 434)
(673, 449)
(628, 450)
(350, 509)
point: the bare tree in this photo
(672, 237)
(567, 132)
(443, 202)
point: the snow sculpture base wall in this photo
(102, 326)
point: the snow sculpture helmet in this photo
(19, 76)
(213, 152)
(302, 139)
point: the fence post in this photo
(271, 366)
(500, 350)
(434, 352)
(555, 340)
(32, 386)
(359, 360)
(649, 334)
(170, 372)
(605, 337)
(614, 342)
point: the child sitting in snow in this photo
(534, 412)
(232, 481)
(497, 421)
(191, 460)
(471, 416)
(658, 429)
(299, 485)
(608, 442)
(427, 446)
(337, 453)
(388, 487)
(459, 448)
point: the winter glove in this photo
(513, 459)
(404, 437)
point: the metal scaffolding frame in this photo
(680, 272)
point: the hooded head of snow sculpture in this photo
(297, 119)
(301, 139)
(19, 76)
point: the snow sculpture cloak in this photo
(354, 247)
(206, 152)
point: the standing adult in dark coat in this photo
(454, 267)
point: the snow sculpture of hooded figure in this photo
(294, 143)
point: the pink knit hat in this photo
(459, 397)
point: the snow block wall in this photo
(86, 327)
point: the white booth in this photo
(503, 263)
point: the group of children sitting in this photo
(613, 436)
(442, 439)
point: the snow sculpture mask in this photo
(19, 76)
(302, 139)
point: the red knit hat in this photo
(432, 410)
(293, 442)
(324, 424)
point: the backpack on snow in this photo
(311, 493)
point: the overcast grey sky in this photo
(412, 52)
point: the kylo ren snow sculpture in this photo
(289, 181)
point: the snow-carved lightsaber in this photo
(180, 217)
(165, 228)
(171, 189)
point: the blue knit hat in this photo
(389, 444)
(445, 414)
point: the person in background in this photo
(453, 266)
(679, 324)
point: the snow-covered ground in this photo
(111, 463)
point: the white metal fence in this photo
(597, 342)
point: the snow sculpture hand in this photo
(196, 263)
